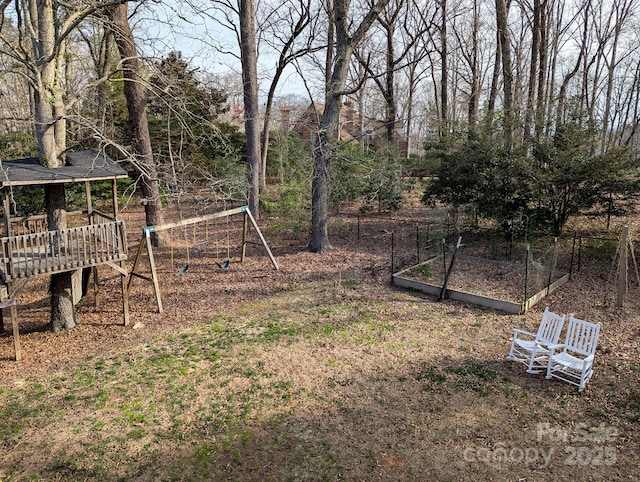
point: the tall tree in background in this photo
(249, 60)
(294, 18)
(345, 43)
(502, 14)
(135, 93)
(444, 70)
(399, 41)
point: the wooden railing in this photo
(99, 217)
(37, 223)
(64, 250)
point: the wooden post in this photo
(450, 270)
(7, 231)
(87, 191)
(526, 276)
(7, 214)
(16, 331)
(573, 250)
(122, 244)
(579, 252)
(393, 253)
(552, 267)
(418, 242)
(152, 263)
(264, 242)
(245, 228)
(622, 267)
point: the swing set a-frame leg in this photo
(145, 242)
(264, 242)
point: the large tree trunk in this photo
(474, 88)
(50, 136)
(135, 95)
(345, 44)
(331, 36)
(322, 154)
(249, 61)
(507, 73)
(63, 313)
(493, 89)
(533, 68)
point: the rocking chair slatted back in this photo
(532, 349)
(582, 336)
(550, 327)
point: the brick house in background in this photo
(351, 127)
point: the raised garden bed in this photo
(494, 284)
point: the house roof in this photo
(90, 165)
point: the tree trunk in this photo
(390, 95)
(507, 73)
(474, 88)
(493, 89)
(345, 44)
(322, 154)
(63, 312)
(562, 94)
(444, 72)
(543, 65)
(533, 69)
(331, 34)
(50, 136)
(249, 61)
(135, 95)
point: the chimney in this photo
(349, 112)
(285, 118)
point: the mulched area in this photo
(361, 250)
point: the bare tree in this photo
(507, 73)
(134, 91)
(410, 33)
(249, 60)
(345, 44)
(444, 69)
(39, 47)
(295, 18)
(620, 12)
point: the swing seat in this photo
(196, 247)
(185, 269)
(224, 266)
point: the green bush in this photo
(17, 145)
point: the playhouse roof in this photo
(91, 165)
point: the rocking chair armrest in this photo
(589, 358)
(552, 348)
(517, 331)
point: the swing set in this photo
(197, 246)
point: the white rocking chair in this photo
(532, 349)
(574, 364)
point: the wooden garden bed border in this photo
(401, 280)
